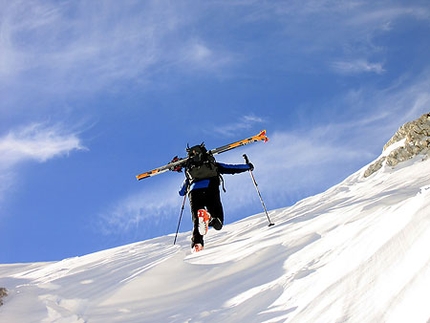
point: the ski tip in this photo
(263, 136)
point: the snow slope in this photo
(358, 252)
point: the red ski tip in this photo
(263, 136)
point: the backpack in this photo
(201, 164)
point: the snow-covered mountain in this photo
(358, 252)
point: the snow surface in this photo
(358, 252)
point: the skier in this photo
(202, 181)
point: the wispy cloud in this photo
(35, 142)
(87, 46)
(383, 14)
(243, 123)
(199, 56)
(351, 29)
(142, 212)
(358, 66)
(81, 45)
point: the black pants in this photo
(201, 198)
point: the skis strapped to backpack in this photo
(181, 162)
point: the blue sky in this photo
(95, 92)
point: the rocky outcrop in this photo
(412, 139)
(3, 293)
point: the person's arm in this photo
(234, 168)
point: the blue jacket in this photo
(204, 183)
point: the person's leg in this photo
(196, 198)
(214, 207)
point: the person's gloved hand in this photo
(177, 168)
(251, 167)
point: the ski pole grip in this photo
(246, 158)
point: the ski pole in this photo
(180, 218)
(258, 191)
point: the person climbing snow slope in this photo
(202, 182)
